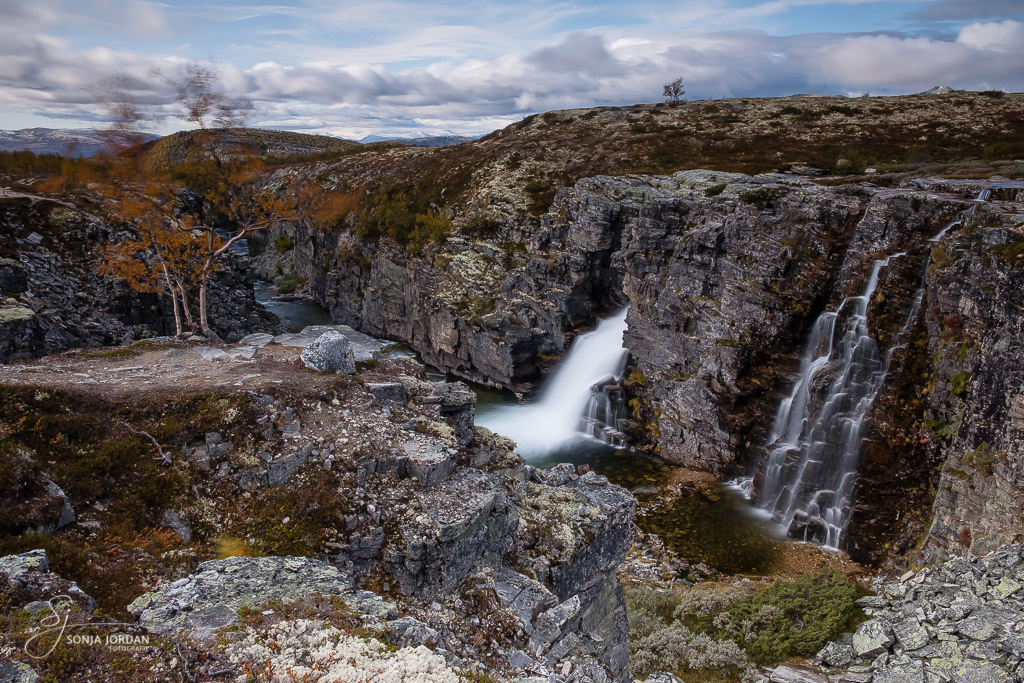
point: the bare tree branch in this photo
(165, 457)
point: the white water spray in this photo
(567, 406)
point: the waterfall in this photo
(815, 441)
(582, 399)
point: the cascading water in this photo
(579, 400)
(815, 442)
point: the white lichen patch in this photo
(306, 650)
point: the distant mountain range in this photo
(425, 141)
(76, 142)
(84, 142)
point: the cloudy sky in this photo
(404, 67)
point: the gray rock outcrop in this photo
(52, 299)
(26, 579)
(209, 598)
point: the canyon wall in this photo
(51, 298)
(725, 274)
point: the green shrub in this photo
(958, 383)
(716, 631)
(287, 284)
(284, 243)
(793, 618)
(403, 214)
(762, 197)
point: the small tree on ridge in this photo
(674, 90)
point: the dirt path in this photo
(154, 366)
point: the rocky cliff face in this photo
(976, 389)
(724, 275)
(51, 298)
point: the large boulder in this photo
(330, 352)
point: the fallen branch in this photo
(165, 457)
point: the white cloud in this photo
(984, 54)
(1003, 36)
(427, 77)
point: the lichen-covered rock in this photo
(947, 624)
(306, 650)
(573, 538)
(26, 578)
(209, 599)
(330, 352)
(17, 672)
(906, 671)
(910, 634)
(835, 654)
(467, 520)
(872, 638)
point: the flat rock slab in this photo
(209, 353)
(387, 391)
(210, 598)
(364, 347)
(789, 674)
(257, 339)
(911, 634)
(429, 461)
(902, 672)
(244, 353)
(872, 638)
(526, 596)
(980, 672)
